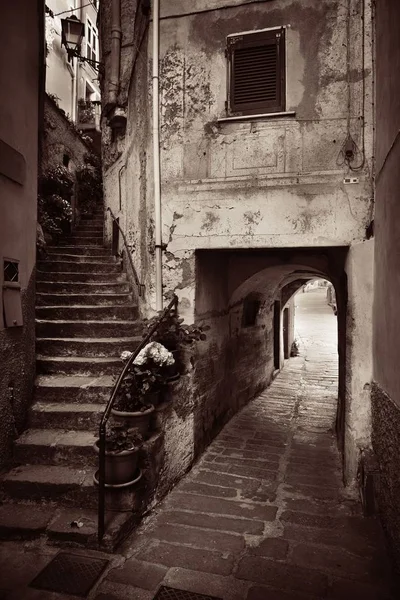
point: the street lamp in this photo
(72, 33)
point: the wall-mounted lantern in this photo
(72, 33)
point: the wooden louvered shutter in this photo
(257, 72)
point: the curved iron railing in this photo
(106, 415)
(139, 285)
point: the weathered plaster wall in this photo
(360, 278)
(259, 183)
(18, 175)
(386, 396)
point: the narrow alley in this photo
(264, 514)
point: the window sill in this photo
(290, 113)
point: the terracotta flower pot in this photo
(139, 420)
(121, 467)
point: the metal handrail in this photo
(107, 412)
(139, 285)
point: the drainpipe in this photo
(156, 152)
(115, 56)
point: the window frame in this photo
(251, 39)
(91, 27)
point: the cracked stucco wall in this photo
(18, 129)
(259, 183)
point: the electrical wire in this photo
(73, 9)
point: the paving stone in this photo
(263, 593)
(354, 543)
(110, 590)
(282, 576)
(341, 589)
(172, 555)
(209, 490)
(219, 586)
(138, 574)
(334, 560)
(250, 526)
(309, 520)
(198, 537)
(220, 506)
(276, 548)
(230, 481)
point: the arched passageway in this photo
(264, 513)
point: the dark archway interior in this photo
(243, 296)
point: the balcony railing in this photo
(89, 114)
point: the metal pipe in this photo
(156, 152)
(115, 55)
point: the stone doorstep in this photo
(80, 347)
(63, 524)
(79, 365)
(87, 312)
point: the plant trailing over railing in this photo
(54, 205)
(178, 337)
(86, 111)
(147, 375)
(107, 412)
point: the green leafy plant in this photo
(86, 111)
(120, 437)
(54, 205)
(148, 373)
(90, 184)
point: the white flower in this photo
(155, 352)
(126, 355)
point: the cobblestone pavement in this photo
(263, 515)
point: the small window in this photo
(11, 270)
(251, 308)
(66, 160)
(92, 41)
(256, 72)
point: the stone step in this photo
(113, 312)
(81, 258)
(88, 328)
(70, 266)
(88, 250)
(43, 276)
(93, 233)
(68, 287)
(90, 224)
(66, 298)
(74, 388)
(50, 483)
(86, 346)
(77, 416)
(56, 447)
(78, 365)
(73, 240)
(30, 521)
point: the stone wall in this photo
(386, 396)
(61, 139)
(20, 101)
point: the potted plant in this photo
(142, 385)
(178, 338)
(122, 454)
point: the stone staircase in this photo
(85, 317)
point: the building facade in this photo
(74, 83)
(21, 100)
(386, 385)
(266, 128)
